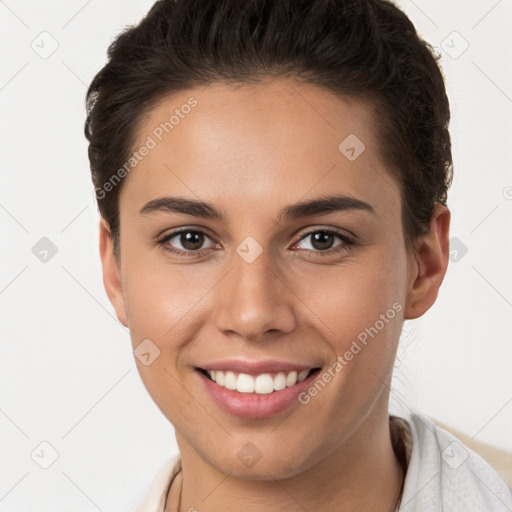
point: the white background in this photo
(67, 374)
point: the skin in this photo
(251, 151)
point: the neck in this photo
(361, 474)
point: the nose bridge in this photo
(254, 299)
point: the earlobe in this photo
(428, 265)
(111, 272)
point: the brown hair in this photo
(367, 49)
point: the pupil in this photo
(322, 240)
(191, 240)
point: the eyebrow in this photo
(319, 206)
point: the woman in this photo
(272, 180)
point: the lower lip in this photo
(252, 405)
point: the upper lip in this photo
(256, 367)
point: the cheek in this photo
(352, 296)
(160, 307)
(159, 298)
(166, 304)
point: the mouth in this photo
(258, 384)
(256, 391)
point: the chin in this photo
(248, 463)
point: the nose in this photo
(254, 300)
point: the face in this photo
(290, 274)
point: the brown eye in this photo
(324, 241)
(191, 240)
(187, 242)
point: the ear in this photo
(111, 272)
(428, 264)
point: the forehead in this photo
(259, 144)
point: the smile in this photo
(255, 390)
(262, 384)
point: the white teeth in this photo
(230, 381)
(261, 384)
(280, 381)
(302, 375)
(244, 383)
(264, 384)
(291, 379)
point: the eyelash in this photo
(347, 243)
